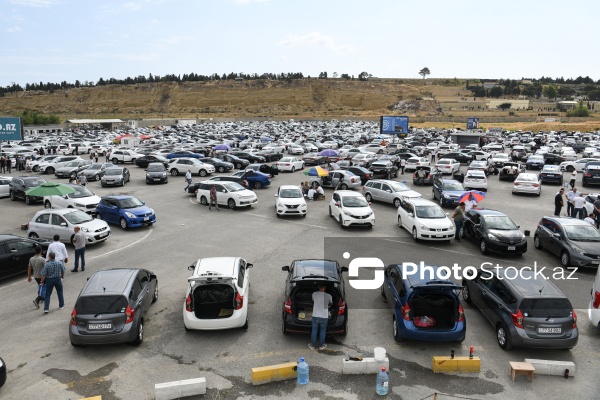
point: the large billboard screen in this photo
(472, 123)
(10, 128)
(393, 126)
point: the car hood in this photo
(156, 173)
(112, 177)
(292, 201)
(61, 169)
(94, 224)
(588, 247)
(358, 211)
(139, 211)
(245, 193)
(436, 223)
(453, 193)
(411, 194)
(513, 234)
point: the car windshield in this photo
(34, 182)
(399, 187)
(283, 160)
(430, 212)
(582, 233)
(131, 202)
(78, 217)
(72, 164)
(500, 222)
(94, 305)
(95, 166)
(233, 187)
(354, 202)
(114, 172)
(453, 186)
(290, 194)
(156, 168)
(80, 191)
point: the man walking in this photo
(51, 276)
(213, 199)
(188, 179)
(82, 179)
(320, 317)
(558, 202)
(573, 179)
(36, 263)
(79, 243)
(459, 217)
(107, 154)
(570, 197)
(578, 203)
(59, 250)
(402, 165)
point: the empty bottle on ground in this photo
(302, 372)
(383, 379)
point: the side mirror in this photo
(556, 235)
(63, 224)
(248, 265)
(276, 195)
(344, 269)
(337, 204)
(65, 197)
(286, 268)
(410, 215)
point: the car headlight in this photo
(423, 227)
(578, 250)
(446, 196)
(152, 211)
(349, 214)
(84, 229)
(129, 215)
(369, 214)
(492, 237)
(164, 175)
(279, 204)
(79, 205)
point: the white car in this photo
(387, 191)
(448, 166)
(364, 159)
(180, 166)
(289, 200)
(414, 162)
(295, 149)
(475, 179)
(373, 148)
(425, 220)
(527, 183)
(594, 307)
(330, 144)
(35, 164)
(218, 294)
(350, 208)
(290, 164)
(499, 159)
(569, 155)
(4, 186)
(47, 223)
(588, 151)
(82, 199)
(124, 156)
(230, 194)
(275, 148)
(51, 166)
(578, 165)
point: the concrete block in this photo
(550, 367)
(366, 366)
(274, 373)
(456, 364)
(179, 389)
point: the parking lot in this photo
(43, 365)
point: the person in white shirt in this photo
(570, 197)
(311, 193)
(578, 203)
(320, 193)
(590, 220)
(59, 250)
(320, 317)
(573, 179)
(188, 179)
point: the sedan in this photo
(72, 169)
(295, 149)
(448, 166)
(96, 171)
(255, 179)
(478, 166)
(462, 158)
(314, 159)
(494, 232)
(414, 162)
(535, 162)
(289, 200)
(143, 162)
(527, 183)
(388, 191)
(220, 165)
(350, 208)
(448, 191)
(15, 252)
(425, 220)
(290, 164)
(115, 176)
(47, 223)
(364, 159)
(475, 180)
(180, 154)
(551, 174)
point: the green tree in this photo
(550, 91)
(505, 106)
(424, 72)
(579, 111)
(363, 76)
(496, 91)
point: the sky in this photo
(68, 40)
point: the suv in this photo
(303, 279)
(231, 194)
(576, 242)
(493, 231)
(111, 307)
(387, 191)
(384, 168)
(424, 308)
(526, 311)
(51, 166)
(20, 184)
(182, 165)
(217, 295)
(124, 156)
(591, 174)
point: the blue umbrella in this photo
(329, 153)
(222, 147)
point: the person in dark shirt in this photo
(558, 202)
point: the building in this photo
(465, 138)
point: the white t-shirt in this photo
(321, 302)
(578, 202)
(574, 175)
(469, 204)
(590, 221)
(320, 190)
(311, 193)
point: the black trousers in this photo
(557, 210)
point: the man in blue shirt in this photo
(52, 275)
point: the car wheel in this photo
(174, 172)
(368, 197)
(344, 186)
(414, 234)
(12, 196)
(122, 182)
(502, 336)
(258, 185)
(33, 235)
(50, 170)
(115, 161)
(202, 172)
(466, 295)
(203, 201)
(231, 203)
(35, 168)
(140, 334)
(221, 169)
(399, 222)
(28, 200)
(123, 223)
(155, 295)
(565, 260)
(238, 166)
(396, 330)
(537, 243)
(341, 221)
(330, 213)
(441, 201)
(483, 247)
(570, 168)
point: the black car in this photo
(364, 174)
(20, 184)
(15, 252)
(525, 310)
(220, 165)
(269, 155)
(237, 162)
(314, 159)
(384, 168)
(143, 162)
(156, 173)
(95, 172)
(303, 279)
(494, 232)
(555, 159)
(462, 158)
(591, 174)
(248, 156)
(112, 306)
(551, 174)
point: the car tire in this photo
(396, 330)
(202, 172)
(399, 222)
(503, 337)
(221, 169)
(231, 204)
(115, 161)
(330, 213)
(368, 197)
(203, 201)
(414, 234)
(35, 169)
(245, 326)
(174, 172)
(139, 338)
(33, 235)
(28, 200)
(537, 243)
(565, 259)
(50, 170)
(123, 182)
(238, 165)
(123, 223)
(341, 222)
(483, 247)
(155, 294)
(466, 295)
(442, 201)
(257, 185)
(344, 186)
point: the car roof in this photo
(416, 279)
(489, 212)
(568, 221)
(111, 281)
(349, 193)
(222, 265)
(8, 236)
(419, 201)
(119, 196)
(527, 284)
(315, 267)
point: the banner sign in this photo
(394, 126)
(10, 128)
(472, 123)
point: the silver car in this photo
(388, 191)
(348, 180)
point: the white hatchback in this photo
(475, 179)
(217, 294)
(350, 208)
(230, 194)
(4, 186)
(47, 223)
(289, 200)
(425, 220)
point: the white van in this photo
(594, 308)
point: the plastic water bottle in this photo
(302, 372)
(383, 380)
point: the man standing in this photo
(36, 263)
(433, 153)
(470, 203)
(320, 318)
(421, 175)
(573, 179)
(459, 217)
(79, 243)
(82, 179)
(578, 203)
(59, 250)
(188, 179)
(558, 202)
(52, 275)
(402, 165)
(107, 154)
(213, 199)
(570, 197)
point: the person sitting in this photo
(311, 194)
(320, 193)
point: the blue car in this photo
(535, 162)
(180, 154)
(255, 179)
(424, 307)
(126, 210)
(448, 191)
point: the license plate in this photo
(157, 179)
(104, 234)
(147, 219)
(439, 235)
(99, 326)
(549, 330)
(511, 247)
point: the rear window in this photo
(101, 305)
(544, 308)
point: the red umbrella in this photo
(144, 137)
(123, 136)
(474, 195)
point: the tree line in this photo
(549, 88)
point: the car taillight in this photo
(188, 303)
(368, 176)
(74, 316)
(129, 313)
(239, 301)
(288, 305)
(351, 180)
(461, 313)
(406, 312)
(429, 176)
(535, 185)
(517, 183)
(341, 307)
(587, 175)
(517, 319)
(574, 319)
(596, 299)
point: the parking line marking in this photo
(125, 247)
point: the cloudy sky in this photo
(56, 40)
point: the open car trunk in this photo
(302, 304)
(214, 301)
(433, 311)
